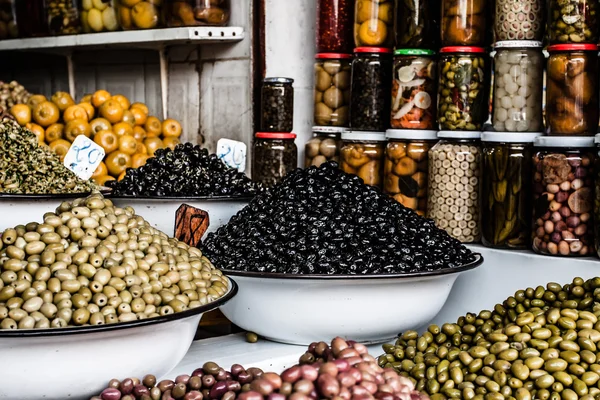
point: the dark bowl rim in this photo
(51, 332)
(52, 196)
(441, 272)
(180, 198)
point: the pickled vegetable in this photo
(334, 26)
(321, 148)
(364, 159)
(332, 90)
(63, 17)
(463, 22)
(519, 20)
(135, 14)
(573, 21)
(274, 156)
(416, 24)
(373, 23)
(197, 12)
(98, 16)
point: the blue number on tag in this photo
(93, 156)
(227, 149)
(78, 150)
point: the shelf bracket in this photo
(71, 73)
(164, 79)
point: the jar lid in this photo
(411, 134)
(510, 137)
(460, 134)
(329, 129)
(597, 139)
(372, 50)
(275, 135)
(278, 80)
(462, 49)
(573, 46)
(321, 56)
(364, 135)
(564, 141)
(511, 44)
(413, 52)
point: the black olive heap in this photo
(186, 171)
(323, 221)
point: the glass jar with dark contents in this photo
(63, 17)
(334, 26)
(31, 18)
(196, 12)
(8, 20)
(416, 24)
(277, 101)
(274, 156)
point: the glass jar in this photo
(454, 179)
(563, 196)
(362, 155)
(374, 23)
(573, 21)
(463, 22)
(597, 195)
(8, 20)
(334, 26)
(414, 90)
(463, 92)
(518, 87)
(332, 89)
(371, 89)
(145, 14)
(324, 146)
(31, 18)
(63, 17)
(196, 12)
(274, 156)
(416, 24)
(506, 189)
(98, 16)
(277, 101)
(406, 167)
(520, 20)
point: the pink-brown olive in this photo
(273, 378)
(208, 381)
(218, 389)
(165, 385)
(556, 237)
(126, 386)
(110, 394)
(328, 386)
(346, 379)
(251, 395)
(245, 377)
(573, 221)
(292, 374)
(179, 390)
(561, 197)
(235, 386)
(329, 368)
(304, 386)
(309, 372)
(140, 390)
(236, 369)
(256, 372)
(262, 386)
(114, 383)
(221, 375)
(198, 372)
(182, 379)
(337, 345)
(193, 395)
(167, 396)
(149, 381)
(276, 396)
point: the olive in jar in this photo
(196, 12)
(277, 105)
(332, 89)
(98, 16)
(416, 24)
(63, 17)
(519, 20)
(373, 23)
(145, 14)
(8, 24)
(463, 22)
(573, 21)
(362, 154)
(324, 146)
(274, 156)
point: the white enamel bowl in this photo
(77, 363)
(301, 309)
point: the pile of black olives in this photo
(186, 171)
(323, 221)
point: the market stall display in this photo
(324, 146)
(274, 155)
(332, 89)
(334, 26)
(520, 20)
(197, 12)
(362, 154)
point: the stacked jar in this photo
(597, 194)
(63, 17)
(373, 23)
(8, 20)
(362, 154)
(416, 24)
(332, 89)
(573, 21)
(98, 16)
(464, 22)
(519, 20)
(334, 26)
(324, 146)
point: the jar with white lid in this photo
(406, 167)
(362, 154)
(563, 195)
(324, 146)
(518, 86)
(454, 181)
(506, 189)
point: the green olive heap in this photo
(541, 343)
(91, 263)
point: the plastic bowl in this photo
(78, 362)
(301, 309)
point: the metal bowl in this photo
(301, 309)
(78, 362)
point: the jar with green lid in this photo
(414, 90)
(274, 156)
(277, 105)
(454, 184)
(506, 192)
(417, 24)
(362, 154)
(332, 89)
(406, 167)
(324, 146)
(573, 21)
(563, 195)
(463, 22)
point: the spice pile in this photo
(323, 221)
(28, 168)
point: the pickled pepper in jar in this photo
(362, 154)
(374, 23)
(463, 22)
(417, 24)
(334, 26)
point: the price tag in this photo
(232, 153)
(83, 157)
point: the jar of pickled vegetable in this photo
(374, 23)
(324, 146)
(518, 87)
(334, 26)
(563, 195)
(371, 89)
(463, 22)
(63, 17)
(597, 194)
(274, 156)
(362, 155)
(406, 167)
(506, 190)
(454, 179)
(573, 21)
(463, 91)
(332, 89)
(572, 90)
(520, 20)
(98, 16)
(277, 105)
(8, 20)
(145, 14)
(417, 24)
(414, 89)
(196, 12)
(31, 18)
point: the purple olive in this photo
(126, 386)
(193, 395)
(276, 396)
(167, 396)
(198, 372)
(244, 377)
(182, 379)
(139, 390)
(165, 385)
(556, 237)
(234, 386)
(110, 394)
(573, 221)
(328, 386)
(218, 390)
(221, 375)
(208, 381)
(236, 369)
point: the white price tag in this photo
(232, 153)
(83, 157)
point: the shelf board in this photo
(147, 39)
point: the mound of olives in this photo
(91, 263)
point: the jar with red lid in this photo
(371, 89)
(332, 89)
(334, 26)
(275, 155)
(417, 24)
(462, 89)
(573, 21)
(572, 90)
(374, 23)
(463, 22)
